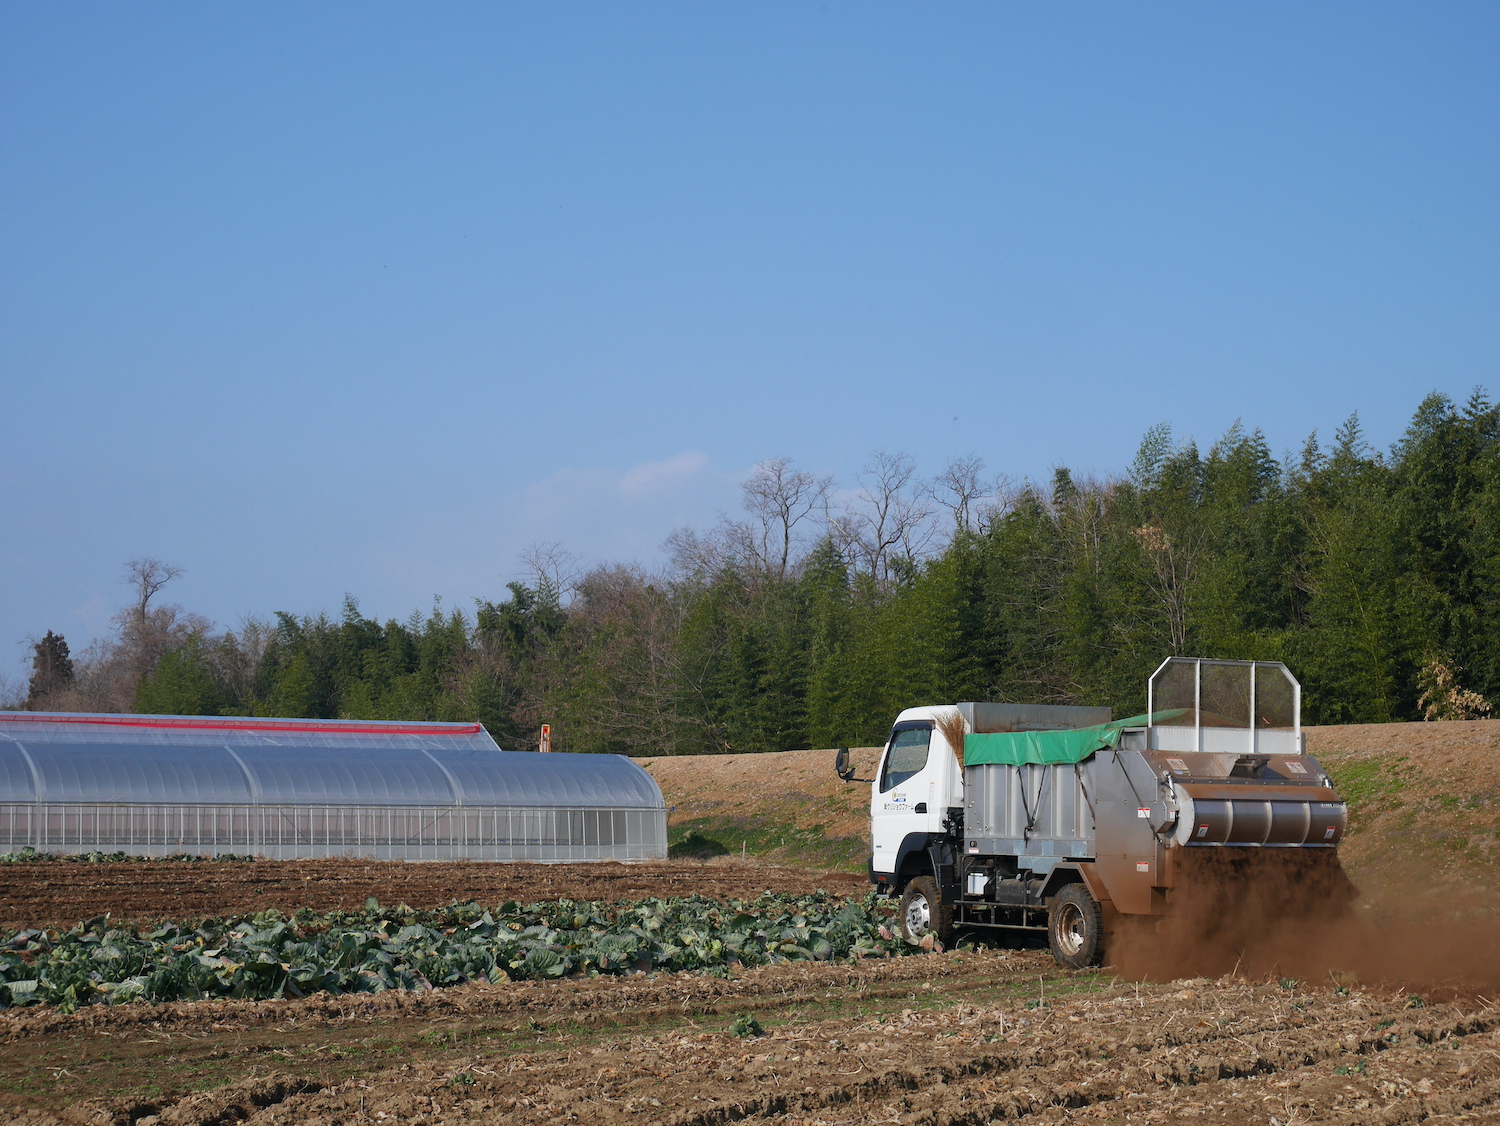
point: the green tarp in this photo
(1014, 748)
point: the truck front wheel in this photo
(923, 913)
(1075, 928)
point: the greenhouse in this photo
(284, 789)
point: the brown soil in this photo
(942, 1039)
(966, 1037)
(1424, 797)
(60, 894)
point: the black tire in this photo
(923, 913)
(1075, 928)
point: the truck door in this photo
(909, 796)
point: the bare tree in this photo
(1008, 495)
(146, 631)
(779, 499)
(237, 656)
(783, 506)
(107, 673)
(550, 564)
(889, 519)
(12, 693)
(147, 576)
(964, 490)
(698, 553)
(1172, 563)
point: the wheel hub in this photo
(918, 915)
(1070, 929)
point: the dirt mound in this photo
(1424, 798)
(789, 806)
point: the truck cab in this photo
(918, 788)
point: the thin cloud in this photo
(656, 475)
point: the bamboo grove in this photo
(1374, 575)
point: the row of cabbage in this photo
(29, 855)
(270, 955)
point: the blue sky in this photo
(310, 299)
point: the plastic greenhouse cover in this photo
(230, 761)
(1049, 748)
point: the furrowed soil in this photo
(61, 894)
(962, 1037)
(1385, 1017)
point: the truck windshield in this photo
(908, 755)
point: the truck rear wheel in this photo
(1075, 928)
(922, 912)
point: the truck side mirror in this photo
(843, 765)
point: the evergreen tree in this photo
(51, 669)
(182, 683)
(294, 694)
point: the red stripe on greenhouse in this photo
(329, 726)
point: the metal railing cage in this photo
(1243, 707)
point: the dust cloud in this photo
(1294, 913)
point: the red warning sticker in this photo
(1328, 835)
(1143, 866)
(1143, 811)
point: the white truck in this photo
(1060, 819)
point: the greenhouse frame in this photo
(287, 789)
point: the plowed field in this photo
(60, 894)
(966, 1037)
(1270, 1034)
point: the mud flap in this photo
(1095, 883)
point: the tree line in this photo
(817, 614)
